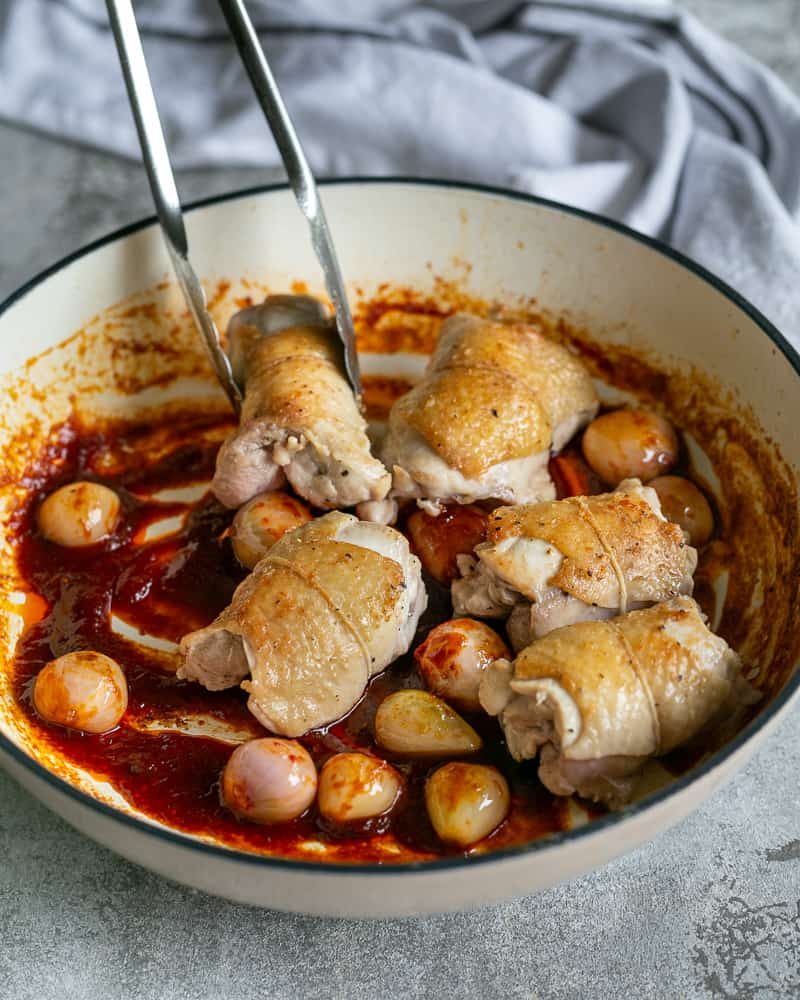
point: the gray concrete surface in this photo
(710, 909)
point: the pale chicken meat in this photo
(548, 565)
(300, 420)
(333, 602)
(597, 699)
(494, 401)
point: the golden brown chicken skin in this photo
(332, 603)
(595, 700)
(300, 420)
(575, 559)
(494, 401)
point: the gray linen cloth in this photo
(634, 110)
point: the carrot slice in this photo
(572, 476)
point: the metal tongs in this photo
(165, 192)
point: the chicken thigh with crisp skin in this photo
(494, 401)
(331, 604)
(597, 699)
(553, 564)
(299, 418)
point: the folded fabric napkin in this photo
(634, 110)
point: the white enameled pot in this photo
(621, 286)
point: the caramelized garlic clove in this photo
(418, 724)
(466, 802)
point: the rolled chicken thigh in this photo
(494, 401)
(595, 700)
(332, 603)
(553, 564)
(300, 420)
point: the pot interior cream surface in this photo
(106, 342)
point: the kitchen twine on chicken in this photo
(642, 678)
(280, 561)
(585, 513)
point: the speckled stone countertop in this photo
(710, 909)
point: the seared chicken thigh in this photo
(494, 401)
(573, 560)
(597, 699)
(299, 417)
(332, 603)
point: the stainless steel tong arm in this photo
(162, 185)
(300, 175)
